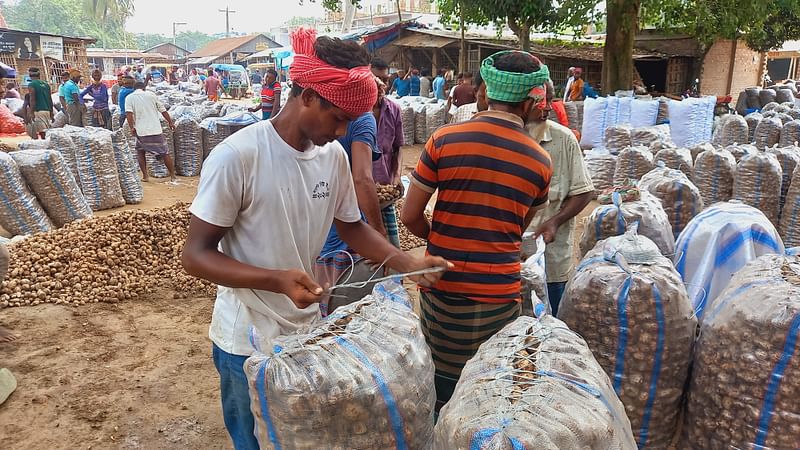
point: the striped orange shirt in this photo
(489, 173)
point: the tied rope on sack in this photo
(354, 91)
(511, 87)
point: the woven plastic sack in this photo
(790, 216)
(715, 171)
(35, 144)
(601, 165)
(435, 117)
(699, 148)
(127, 169)
(768, 133)
(535, 300)
(55, 188)
(61, 140)
(618, 111)
(20, 212)
(420, 124)
(632, 164)
(613, 220)
(644, 113)
(574, 114)
(741, 150)
(628, 302)
(783, 94)
(758, 183)
(617, 137)
(753, 120)
(790, 133)
(155, 166)
(534, 385)
(753, 102)
(60, 119)
(648, 135)
(769, 107)
(94, 155)
(188, 146)
(676, 158)
(766, 96)
(788, 158)
(691, 120)
(407, 118)
(663, 111)
(362, 378)
(594, 122)
(735, 131)
(746, 378)
(716, 244)
(680, 198)
(719, 125)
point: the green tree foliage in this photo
(67, 17)
(524, 16)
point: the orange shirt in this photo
(489, 173)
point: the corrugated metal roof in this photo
(121, 53)
(226, 46)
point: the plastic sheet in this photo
(534, 385)
(758, 183)
(678, 195)
(127, 169)
(361, 378)
(535, 300)
(790, 217)
(628, 302)
(716, 244)
(768, 133)
(613, 220)
(745, 382)
(715, 171)
(632, 164)
(56, 190)
(691, 120)
(94, 155)
(617, 137)
(601, 165)
(188, 146)
(676, 158)
(20, 212)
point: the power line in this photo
(228, 11)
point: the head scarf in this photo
(578, 71)
(511, 87)
(353, 91)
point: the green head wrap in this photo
(511, 87)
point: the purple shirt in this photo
(99, 94)
(390, 139)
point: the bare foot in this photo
(145, 179)
(6, 335)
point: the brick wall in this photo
(717, 65)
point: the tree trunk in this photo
(522, 31)
(623, 22)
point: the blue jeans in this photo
(555, 291)
(235, 399)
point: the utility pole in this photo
(175, 33)
(228, 11)
(399, 13)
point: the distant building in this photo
(111, 60)
(231, 50)
(170, 50)
(50, 53)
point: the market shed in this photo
(230, 50)
(50, 53)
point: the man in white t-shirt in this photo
(570, 80)
(143, 113)
(267, 198)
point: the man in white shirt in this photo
(570, 79)
(143, 113)
(267, 198)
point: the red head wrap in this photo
(354, 90)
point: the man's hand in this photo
(547, 230)
(299, 287)
(428, 279)
(172, 125)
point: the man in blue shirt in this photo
(402, 85)
(438, 85)
(414, 79)
(127, 89)
(360, 144)
(72, 96)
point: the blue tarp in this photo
(228, 67)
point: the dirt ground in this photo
(133, 375)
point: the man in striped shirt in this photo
(270, 96)
(491, 178)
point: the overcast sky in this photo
(156, 16)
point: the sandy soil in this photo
(134, 375)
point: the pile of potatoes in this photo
(407, 240)
(103, 259)
(388, 192)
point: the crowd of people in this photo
(283, 205)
